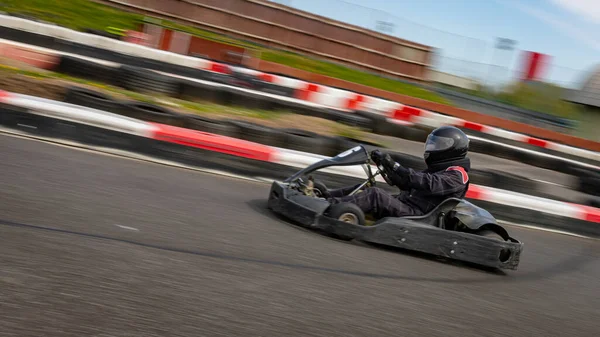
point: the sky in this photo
(465, 32)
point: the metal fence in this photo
(492, 63)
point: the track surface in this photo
(95, 245)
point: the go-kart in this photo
(455, 229)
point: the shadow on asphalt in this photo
(589, 253)
(570, 264)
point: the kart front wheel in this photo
(347, 212)
(319, 189)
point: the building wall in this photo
(280, 26)
(453, 80)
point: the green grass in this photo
(201, 108)
(82, 14)
(541, 97)
(351, 75)
(212, 108)
(74, 14)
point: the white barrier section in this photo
(79, 114)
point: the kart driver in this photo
(445, 177)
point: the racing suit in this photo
(420, 191)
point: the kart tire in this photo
(152, 113)
(351, 119)
(347, 212)
(489, 234)
(319, 188)
(592, 202)
(482, 177)
(513, 182)
(92, 99)
(404, 132)
(244, 80)
(345, 143)
(214, 126)
(147, 81)
(20, 118)
(505, 252)
(306, 141)
(588, 182)
(194, 91)
(89, 70)
(271, 88)
(234, 97)
(257, 133)
(378, 122)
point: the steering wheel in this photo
(384, 175)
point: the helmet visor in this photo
(435, 143)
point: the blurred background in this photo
(120, 240)
(525, 61)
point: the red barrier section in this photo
(4, 95)
(355, 102)
(591, 214)
(305, 93)
(220, 68)
(406, 113)
(475, 192)
(473, 126)
(212, 142)
(266, 78)
(537, 142)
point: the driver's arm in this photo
(439, 183)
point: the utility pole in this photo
(385, 27)
(501, 44)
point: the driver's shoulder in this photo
(458, 171)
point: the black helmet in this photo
(446, 143)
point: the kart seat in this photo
(436, 216)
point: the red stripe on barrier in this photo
(212, 142)
(591, 214)
(537, 142)
(305, 93)
(4, 95)
(411, 110)
(475, 192)
(313, 87)
(473, 126)
(220, 68)
(266, 78)
(406, 112)
(355, 102)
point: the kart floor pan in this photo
(414, 236)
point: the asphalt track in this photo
(97, 245)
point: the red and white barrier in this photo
(309, 92)
(242, 148)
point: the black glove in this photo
(388, 162)
(377, 157)
(381, 159)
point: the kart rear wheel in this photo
(504, 253)
(490, 234)
(347, 212)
